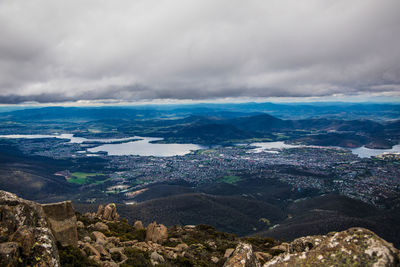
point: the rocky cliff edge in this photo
(52, 235)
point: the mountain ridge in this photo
(53, 235)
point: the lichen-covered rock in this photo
(23, 225)
(353, 247)
(156, 232)
(9, 254)
(23, 236)
(228, 252)
(263, 256)
(243, 256)
(63, 223)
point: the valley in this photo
(245, 174)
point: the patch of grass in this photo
(84, 175)
(87, 178)
(230, 179)
(138, 182)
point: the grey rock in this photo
(156, 233)
(9, 254)
(25, 223)
(355, 247)
(243, 256)
(63, 223)
(138, 225)
(228, 252)
(99, 226)
(156, 257)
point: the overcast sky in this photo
(55, 51)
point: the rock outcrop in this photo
(353, 247)
(156, 233)
(25, 235)
(138, 225)
(243, 256)
(108, 213)
(62, 220)
(29, 231)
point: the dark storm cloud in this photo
(146, 49)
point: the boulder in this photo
(353, 247)
(90, 250)
(87, 239)
(228, 252)
(24, 229)
(118, 249)
(63, 223)
(156, 258)
(80, 224)
(100, 211)
(108, 213)
(281, 248)
(114, 240)
(99, 237)
(181, 247)
(99, 226)
(243, 256)
(138, 225)
(156, 233)
(263, 256)
(214, 259)
(103, 252)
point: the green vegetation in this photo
(72, 257)
(125, 231)
(137, 182)
(84, 175)
(230, 179)
(136, 258)
(87, 178)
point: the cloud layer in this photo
(169, 49)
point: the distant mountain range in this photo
(211, 126)
(324, 132)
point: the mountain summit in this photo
(54, 235)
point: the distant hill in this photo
(234, 214)
(31, 177)
(263, 123)
(335, 139)
(212, 133)
(323, 214)
(216, 124)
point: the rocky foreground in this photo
(54, 235)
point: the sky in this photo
(169, 50)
